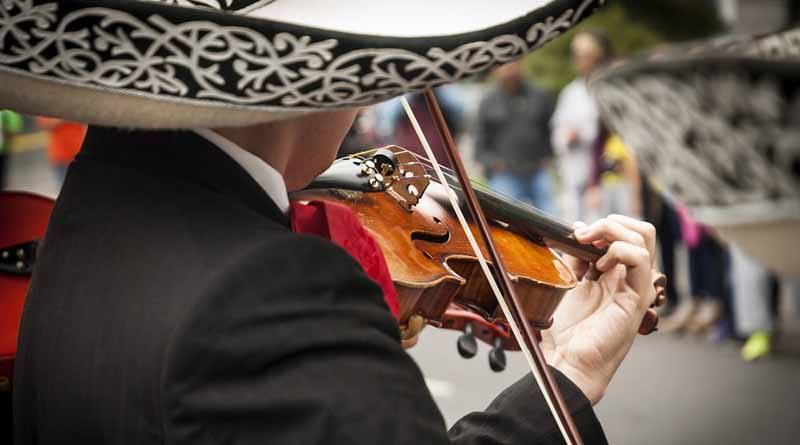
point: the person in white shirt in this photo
(576, 124)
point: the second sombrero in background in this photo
(717, 124)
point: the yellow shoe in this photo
(757, 346)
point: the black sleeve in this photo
(520, 415)
(297, 347)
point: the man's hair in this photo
(601, 39)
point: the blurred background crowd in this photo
(531, 131)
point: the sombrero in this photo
(717, 124)
(202, 63)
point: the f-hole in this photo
(433, 237)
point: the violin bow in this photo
(505, 294)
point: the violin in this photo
(23, 224)
(433, 267)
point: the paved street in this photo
(669, 390)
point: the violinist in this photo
(179, 296)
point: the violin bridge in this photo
(408, 180)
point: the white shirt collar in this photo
(264, 174)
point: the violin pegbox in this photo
(398, 172)
(391, 169)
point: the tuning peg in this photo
(497, 356)
(649, 322)
(467, 345)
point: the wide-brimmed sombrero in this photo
(202, 63)
(717, 124)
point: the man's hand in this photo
(597, 321)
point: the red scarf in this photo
(338, 224)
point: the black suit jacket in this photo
(172, 304)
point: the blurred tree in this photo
(632, 26)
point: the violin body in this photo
(24, 222)
(434, 268)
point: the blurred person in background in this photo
(512, 138)
(576, 123)
(709, 305)
(755, 298)
(10, 124)
(615, 187)
(64, 143)
(709, 277)
(658, 210)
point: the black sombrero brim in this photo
(153, 64)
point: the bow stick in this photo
(505, 294)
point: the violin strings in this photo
(475, 184)
(518, 204)
(485, 267)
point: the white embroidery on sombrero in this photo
(781, 46)
(215, 4)
(107, 48)
(707, 141)
(224, 5)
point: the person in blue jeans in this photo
(512, 139)
(535, 188)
